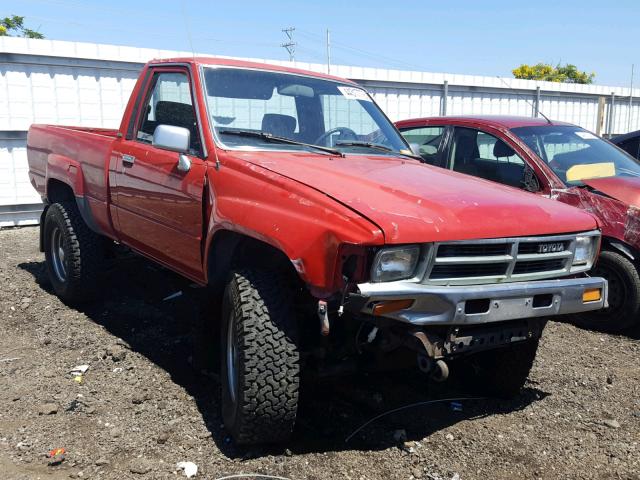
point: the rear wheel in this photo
(260, 361)
(624, 295)
(73, 253)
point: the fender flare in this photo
(68, 171)
(622, 248)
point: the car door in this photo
(158, 207)
(482, 154)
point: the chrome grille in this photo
(500, 260)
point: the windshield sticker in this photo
(586, 135)
(591, 170)
(353, 93)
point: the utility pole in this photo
(328, 51)
(630, 97)
(290, 45)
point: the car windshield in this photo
(257, 109)
(575, 154)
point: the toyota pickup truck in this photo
(560, 161)
(325, 244)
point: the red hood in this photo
(625, 189)
(412, 202)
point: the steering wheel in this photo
(346, 131)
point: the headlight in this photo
(397, 263)
(586, 250)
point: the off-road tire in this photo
(624, 295)
(502, 372)
(257, 311)
(83, 253)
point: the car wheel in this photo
(260, 361)
(624, 295)
(73, 253)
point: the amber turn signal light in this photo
(591, 295)
(383, 308)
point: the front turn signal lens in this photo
(390, 306)
(591, 295)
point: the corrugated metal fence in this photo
(45, 81)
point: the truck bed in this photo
(76, 154)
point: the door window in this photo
(482, 155)
(428, 140)
(169, 103)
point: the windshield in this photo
(244, 104)
(575, 154)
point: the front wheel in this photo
(260, 362)
(624, 295)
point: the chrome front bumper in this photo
(442, 305)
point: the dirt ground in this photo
(141, 408)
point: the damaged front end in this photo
(456, 299)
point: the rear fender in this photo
(66, 170)
(69, 172)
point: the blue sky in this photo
(482, 37)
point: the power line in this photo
(375, 56)
(290, 45)
(92, 25)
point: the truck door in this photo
(158, 206)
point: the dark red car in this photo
(559, 161)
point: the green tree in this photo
(13, 26)
(560, 73)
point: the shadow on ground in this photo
(133, 308)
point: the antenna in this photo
(630, 97)
(186, 24)
(290, 46)
(537, 109)
(328, 51)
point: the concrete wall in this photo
(85, 84)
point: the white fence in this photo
(84, 84)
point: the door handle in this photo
(128, 160)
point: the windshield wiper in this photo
(276, 139)
(374, 146)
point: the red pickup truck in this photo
(560, 161)
(324, 241)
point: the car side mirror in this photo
(176, 139)
(170, 137)
(415, 149)
(530, 182)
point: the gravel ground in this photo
(140, 408)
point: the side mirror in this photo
(415, 149)
(170, 137)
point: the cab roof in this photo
(228, 62)
(496, 121)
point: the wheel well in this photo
(58, 191)
(231, 250)
(619, 246)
